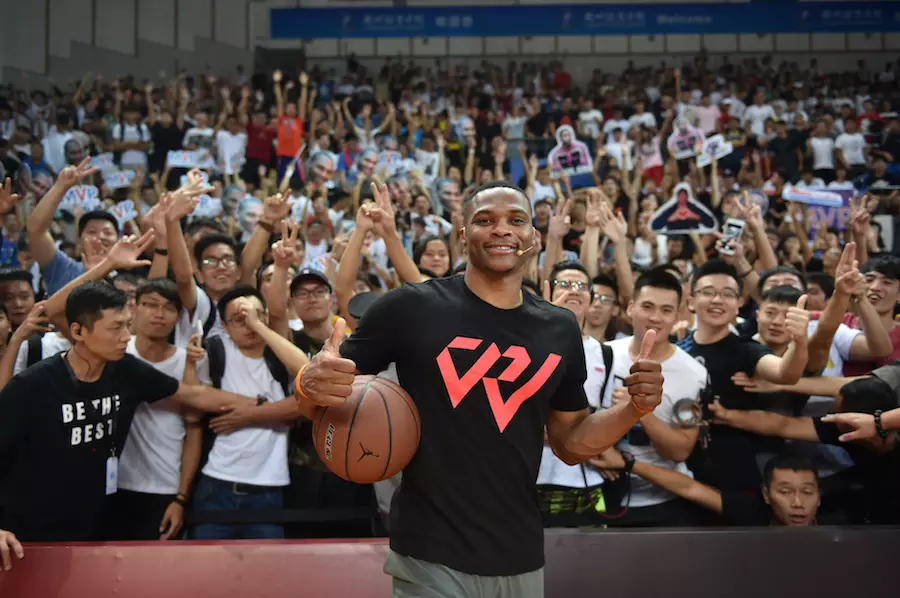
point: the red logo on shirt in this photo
(504, 410)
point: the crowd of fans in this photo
(227, 217)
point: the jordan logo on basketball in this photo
(460, 386)
(365, 453)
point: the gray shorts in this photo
(420, 579)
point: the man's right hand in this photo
(328, 379)
(9, 545)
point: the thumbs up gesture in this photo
(328, 378)
(797, 320)
(645, 382)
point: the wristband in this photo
(747, 273)
(298, 390)
(266, 226)
(180, 499)
(629, 461)
(640, 409)
(158, 251)
(879, 429)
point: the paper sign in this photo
(685, 140)
(203, 174)
(190, 159)
(208, 207)
(834, 216)
(683, 215)
(390, 161)
(103, 161)
(118, 179)
(714, 148)
(80, 197)
(817, 197)
(124, 212)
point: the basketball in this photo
(372, 436)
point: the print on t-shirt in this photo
(90, 421)
(504, 409)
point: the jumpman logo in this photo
(365, 453)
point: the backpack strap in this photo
(35, 350)
(278, 370)
(215, 353)
(210, 319)
(608, 363)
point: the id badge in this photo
(112, 475)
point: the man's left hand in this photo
(645, 382)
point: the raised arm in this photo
(788, 368)
(40, 243)
(766, 423)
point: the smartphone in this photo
(732, 230)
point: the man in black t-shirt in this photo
(877, 462)
(64, 421)
(790, 491)
(487, 376)
(729, 460)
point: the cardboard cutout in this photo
(685, 140)
(683, 214)
(570, 155)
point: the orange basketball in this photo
(372, 436)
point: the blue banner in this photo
(597, 19)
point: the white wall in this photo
(121, 37)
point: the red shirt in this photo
(259, 143)
(862, 368)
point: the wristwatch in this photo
(879, 429)
(629, 461)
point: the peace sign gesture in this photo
(72, 175)
(382, 213)
(277, 208)
(125, 253)
(284, 251)
(561, 222)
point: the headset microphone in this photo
(521, 252)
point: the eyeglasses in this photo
(215, 262)
(605, 299)
(569, 285)
(728, 294)
(319, 293)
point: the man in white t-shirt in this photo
(574, 490)
(164, 445)
(131, 137)
(247, 467)
(589, 120)
(667, 436)
(231, 146)
(852, 149)
(758, 114)
(821, 146)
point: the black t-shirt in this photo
(58, 433)
(483, 380)
(745, 509)
(877, 474)
(729, 463)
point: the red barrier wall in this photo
(258, 569)
(737, 563)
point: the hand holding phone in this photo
(732, 231)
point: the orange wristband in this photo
(640, 409)
(298, 390)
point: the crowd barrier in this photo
(819, 562)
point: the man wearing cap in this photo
(313, 486)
